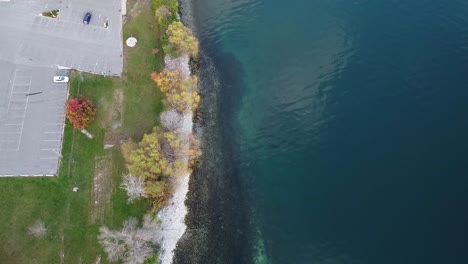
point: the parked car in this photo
(61, 79)
(87, 18)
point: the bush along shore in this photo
(159, 166)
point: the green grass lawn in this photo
(72, 237)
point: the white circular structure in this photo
(131, 42)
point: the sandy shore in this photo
(172, 220)
(172, 216)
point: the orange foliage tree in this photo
(80, 111)
(167, 80)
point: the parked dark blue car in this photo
(87, 18)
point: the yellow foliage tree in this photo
(127, 148)
(193, 151)
(157, 191)
(147, 161)
(180, 40)
(185, 97)
(167, 80)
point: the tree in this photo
(134, 186)
(164, 16)
(171, 119)
(194, 151)
(147, 161)
(185, 97)
(127, 147)
(167, 80)
(171, 5)
(157, 192)
(132, 244)
(180, 40)
(173, 147)
(38, 229)
(80, 112)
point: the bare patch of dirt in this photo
(62, 255)
(101, 189)
(117, 109)
(114, 139)
(105, 119)
(134, 8)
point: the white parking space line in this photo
(8, 137)
(16, 110)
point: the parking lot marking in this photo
(19, 76)
(11, 94)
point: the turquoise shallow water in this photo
(346, 124)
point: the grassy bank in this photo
(126, 107)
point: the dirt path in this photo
(117, 109)
(134, 8)
(102, 189)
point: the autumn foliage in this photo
(157, 157)
(184, 98)
(80, 111)
(180, 40)
(167, 79)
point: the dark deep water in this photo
(343, 127)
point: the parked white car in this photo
(60, 79)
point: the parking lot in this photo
(32, 39)
(32, 50)
(32, 121)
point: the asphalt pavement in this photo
(32, 49)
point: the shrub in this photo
(172, 5)
(164, 17)
(38, 229)
(52, 14)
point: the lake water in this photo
(345, 126)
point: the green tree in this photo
(164, 17)
(171, 5)
(180, 40)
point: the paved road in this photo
(31, 48)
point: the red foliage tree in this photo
(80, 111)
